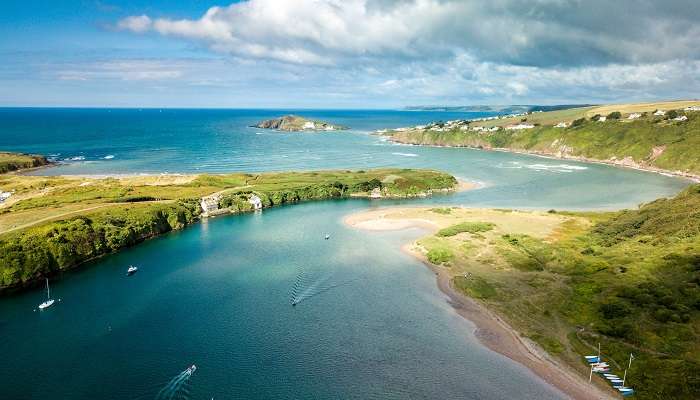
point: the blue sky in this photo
(345, 54)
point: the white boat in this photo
(132, 270)
(625, 391)
(49, 301)
(191, 369)
(328, 236)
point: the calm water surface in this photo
(370, 322)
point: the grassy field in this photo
(629, 280)
(570, 114)
(50, 224)
(16, 161)
(655, 142)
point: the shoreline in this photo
(490, 329)
(678, 174)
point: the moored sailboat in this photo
(49, 301)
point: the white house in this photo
(660, 113)
(681, 118)
(309, 125)
(4, 196)
(519, 127)
(209, 204)
(255, 201)
(376, 193)
(464, 128)
(634, 116)
(602, 119)
(478, 129)
(561, 125)
(692, 108)
(494, 128)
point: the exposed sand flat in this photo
(491, 330)
(538, 224)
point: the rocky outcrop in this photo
(295, 123)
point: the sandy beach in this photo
(491, 330)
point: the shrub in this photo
(615, 115)
(672, 114)
(595, 117)
(471, 227)
(440, 256)
(578, 122)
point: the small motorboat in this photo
(625, 391)
(592, 359)
(49, 301)
(132, 270)
(327, 236)
(191, 369)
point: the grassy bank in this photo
(629, 280)
(56, 223)
(649, 141)
(16, 161)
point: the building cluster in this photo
(4, 196)
(519, 127)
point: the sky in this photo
(346, 53)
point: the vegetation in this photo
(56, 223)
(629, 280)
(470, 227)
(16, 161)
(295, 123)
(648, 141)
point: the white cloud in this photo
(138, 24)
(539, 33)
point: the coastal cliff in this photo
(661, 141)
(17, 161)
(57, 223)
(295, 123)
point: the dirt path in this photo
(55, 216)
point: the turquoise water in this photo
(370, 322)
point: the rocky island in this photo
(295, 123)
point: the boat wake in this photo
(306, 286)
(178, 387)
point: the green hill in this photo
(16, 161)
(651, 142)
(629, 280)
(57, 223)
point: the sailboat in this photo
(49, 301)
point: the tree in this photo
(672, 114)
(578, 122)
(615, 115)
(595, 117)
